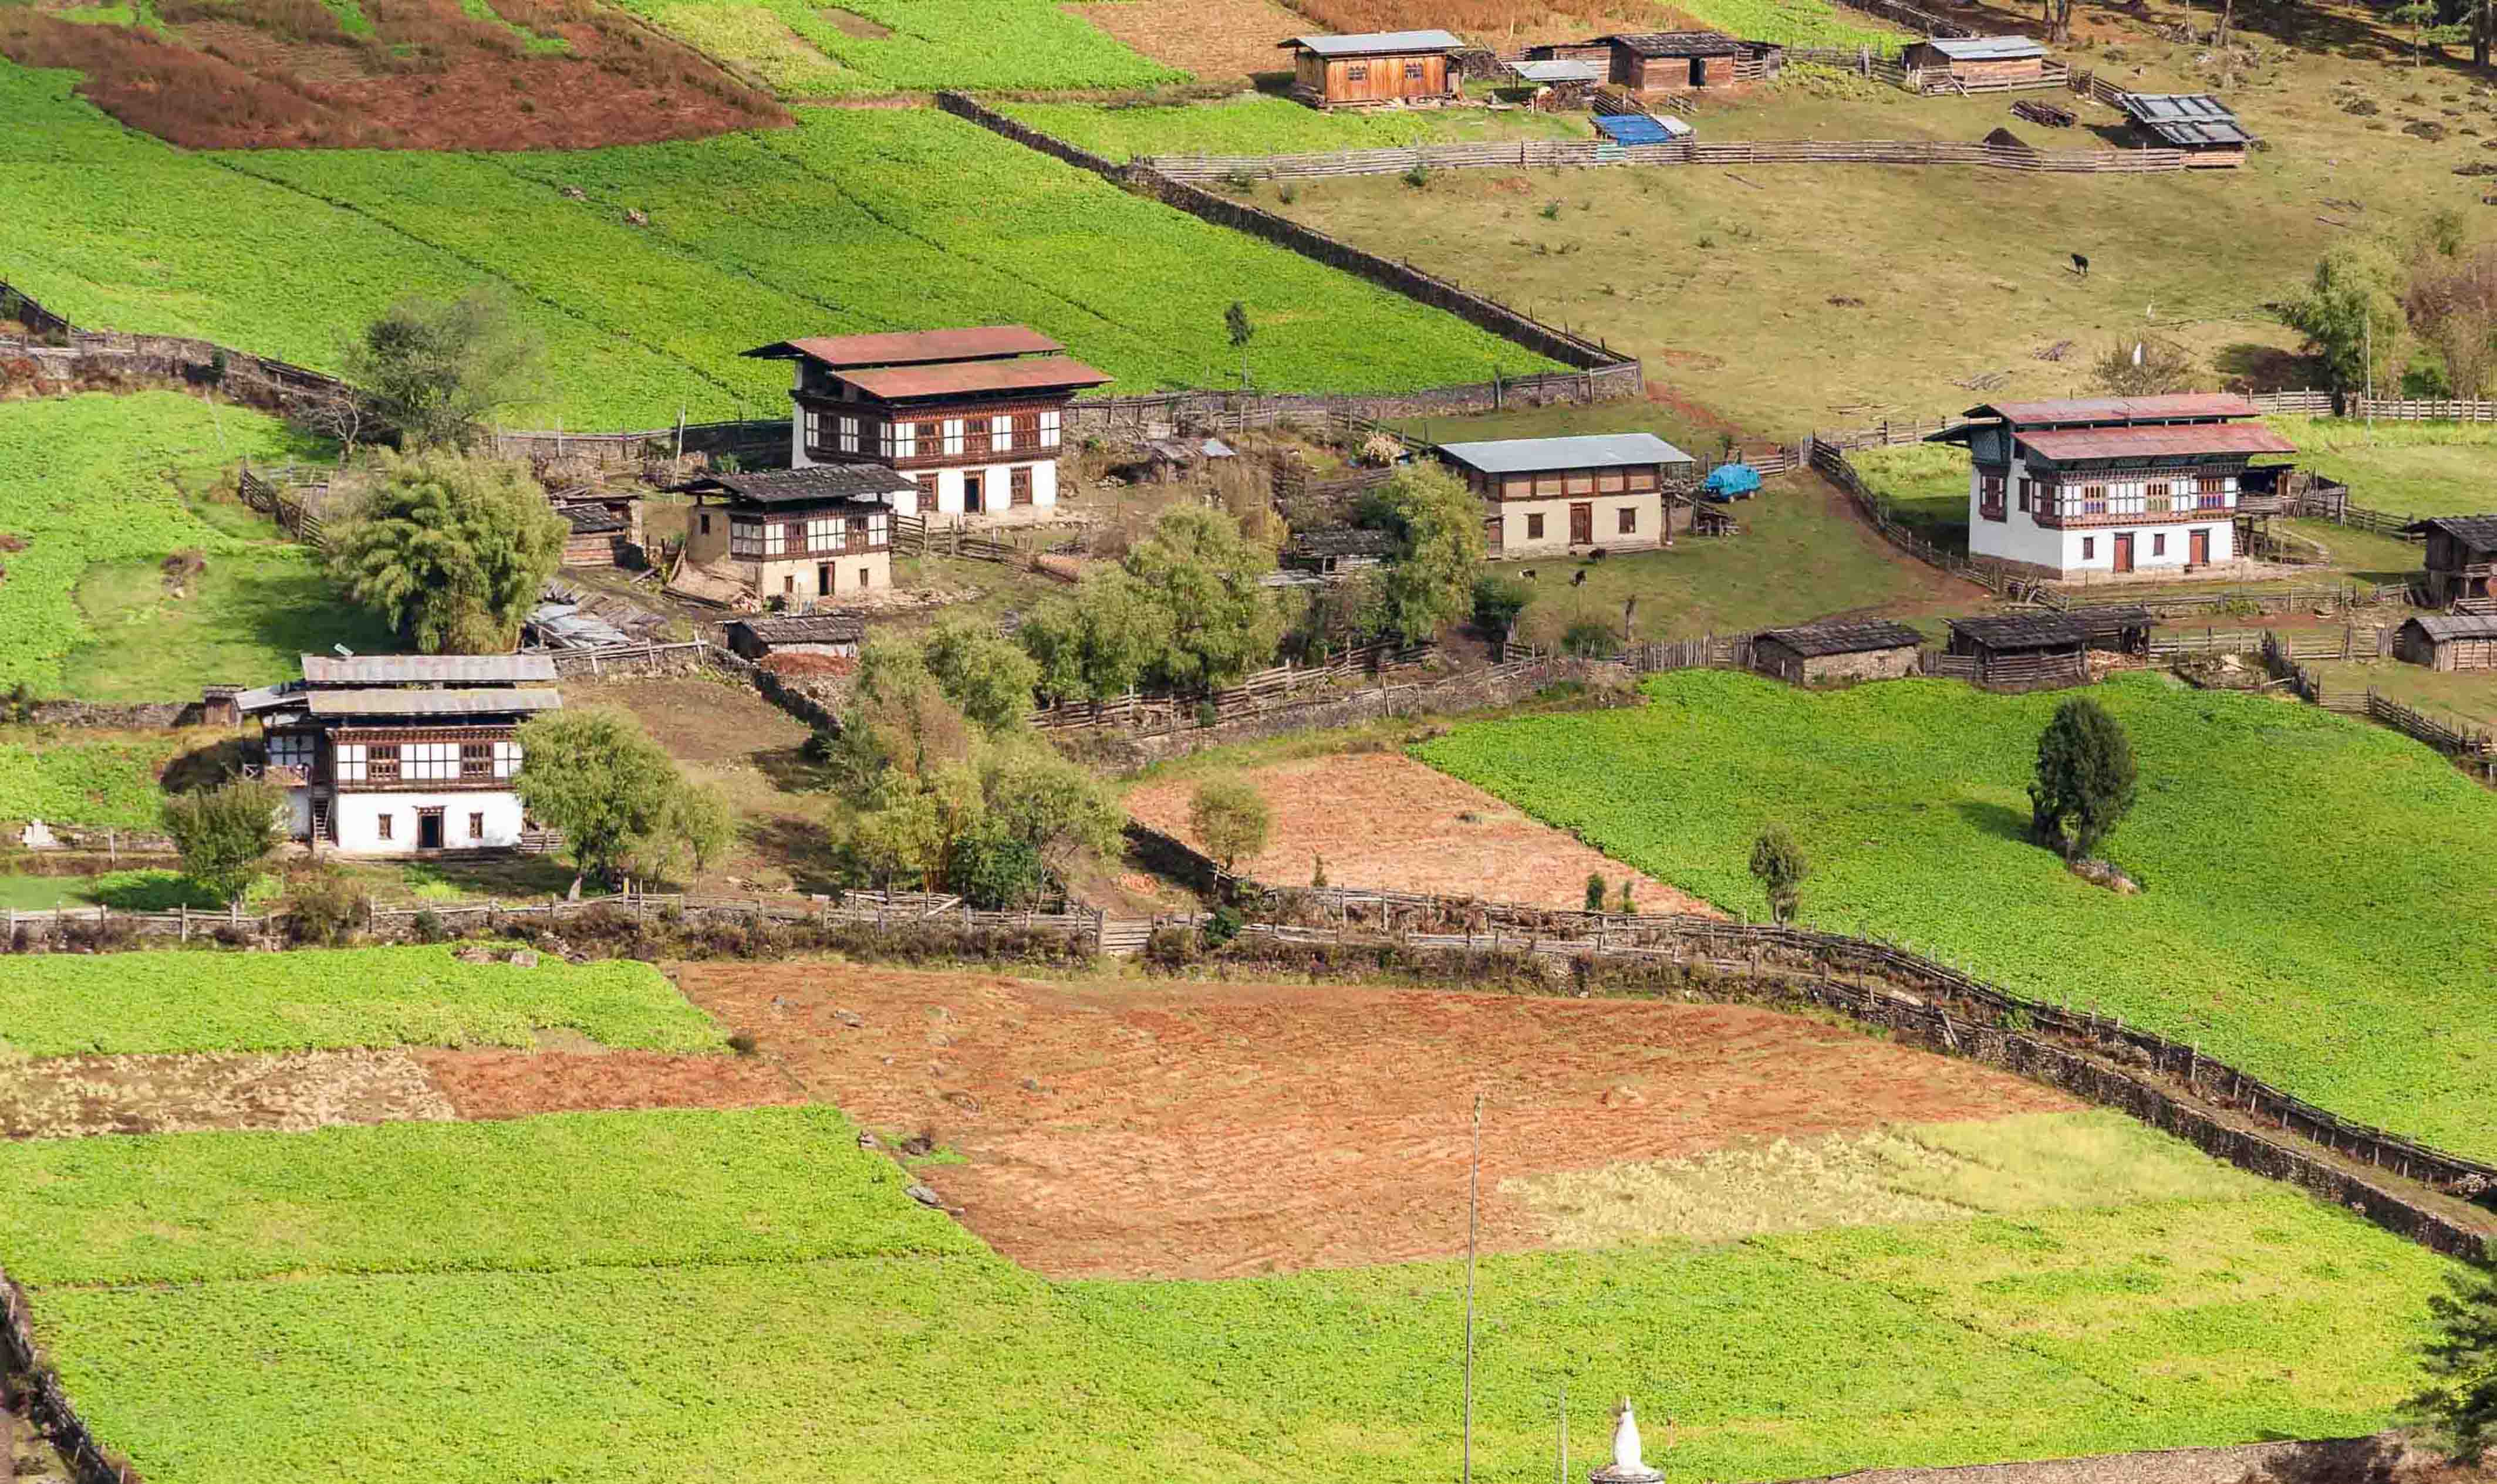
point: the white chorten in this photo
(1627, 1466)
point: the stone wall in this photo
(134, 715)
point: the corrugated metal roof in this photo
(1676, 42)
(1558, 71)
(2184, 119)
(2477, 532)
(1813, 640)
(426, 669)
(592, 520)
(870, 483)
(1640, 128)
(266, 697)
(2021, 631)
(434, 703)
(1984, 48)
(911, 347)
(2077, 411)
(1034, 373)
(805, 628)
(1590, 450)
(1376, 42)
(2445, 626)
(2151, 439)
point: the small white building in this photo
(401, 754)
(2109, 484)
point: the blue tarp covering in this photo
(1633, 128)
(1731, 480)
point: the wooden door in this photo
(2197, 548)
(971, 495)
(1019, 487)
(2124, 551)
(824, 579)
(429, 828)
(1699, 72)
(1582, 524)
(1493, 528)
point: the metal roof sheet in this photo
(2185, 119)
(266, 697)
(911, 347)
(805, 628)
(426, 669)
(1641, 128)
(1813, 640)
(1588, 451)
(953, 378)
(2153, 439)
(1984, 48)
(1558, 71)
(2445, 626)
(1676, 42)
(435, 703)
(592, 520)
(823, 483)
(2021, 631)
(2077, 411)
(2477, 532)
(1376, 42)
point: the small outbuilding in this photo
(1978, 64)
(1826, 653)
(2023, 651)
(2448, 642)
(1640, 128)
(2120, 628)
(601, 532)
(1374, 69)
(2461, 557)
(2197, 123)
(1339, 547)
(1173, 458)
(832, 635)
(1654, 63)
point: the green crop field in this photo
(1268, 125)
(851, 220)
(1793, 22)
(83, 778)
(2405, 468)
(809, 50)
(170, 1000)
(2316, 906)
(751, 1296)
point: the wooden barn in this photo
(1837, 654)
(1654, 62)
(2022, 652)
(2197, 123)
(601, 532)
(1946, 64)
(2462, 559)
(1374, 69)
(834, 635)
(2448, 642)
(2120, 628)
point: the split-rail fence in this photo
(1569, 154)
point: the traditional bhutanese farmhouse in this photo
(796, 535)
(1826, 653)
(2197, 123)
(972, 418)
(2448, 640)
(1976, 63)
(1563, 494)
(2461, 557)
(828, 636)
(1654, 62)
(1375, 68)
(397, 754)
(2023, 651)
(2108, 485)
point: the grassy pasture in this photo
(1264, 124)
(2315, 905)
(170, 1000)
(2404, 469)
(892, 45)
(298, 1327)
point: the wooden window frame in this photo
(476, 824)
(1534, 525)
(1629, 521)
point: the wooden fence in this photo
(2097, 89)
(2421, 409)
(48, 1406)
(1562, 154)
(2475, 748)
(1264, 691)
(1831, 464)
(2351, 642)
(2335, 597)
(280, 504)
(2305, 404)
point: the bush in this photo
(1498, 601)
(224, 833)
(326, 908)
(427, 927)
(1222, 927)
(1230, 819)
(1778, 862)
(1589, 639)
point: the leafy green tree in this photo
(1594, 891)
(1498, 601)
(1439, 527)
(1052, 805)
(2351, 317)
(1230, 818)
(1098, 643)
(1237, 328)
(991, 678)
(2143, 365)
(225, 834)
(433, 372)
(616, 796)
(2085, 778)
(450, 551)
(1206, 578)
(995, 871)
(2459, 1402)
(1779, 864)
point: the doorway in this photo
(2197, 548)
(971, 495)
(2124, 551)
(1699, 72)
(429, 828)
(1582, 524)
(824, 579)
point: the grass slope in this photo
(1263, 124)
(2317, 906)
(72, 775)
(2405, 468)
(169, 1000)
(805, 51)
(851, 220)
(715, 1351)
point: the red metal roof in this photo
(1037, 373)
(2148, 440)
(915, 347)
(2082, 411)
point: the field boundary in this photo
(49, 1406)
(1570, 154)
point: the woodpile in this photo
(2047, 114)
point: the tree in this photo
(1595, 899)
(1498, 601)
(1437, 522)
(1098, 643)
(1779, 864)
(2452, 304)
(433, 372)
(225, 834)
(900, 721)
(450, 551)
(2057, 18)
(2143, 365)
(1628, 903)
(2085, 780)
(1206, 578)
(989, 677)
(1054, 807)
(616, 795)
(1230, 818)
(2460, 1399)
(1236, 326)
(2351, 317)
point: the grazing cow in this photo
(2081, 264)
(1528, 574)
(1578, 579)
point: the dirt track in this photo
(1215, 1130)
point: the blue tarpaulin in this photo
(1731, 481)
(1640, 128)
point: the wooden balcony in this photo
(2084, 515)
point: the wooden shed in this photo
(1374, 69)
(2462, 559)
(1175, 459)
(1947, 64)
(601, 532)
(834, 634)
(1655, 62)
(2022, 652)
(1339, 547)
(1827, 653)
(2123, 628)
(2448, 642)
(2197, 123)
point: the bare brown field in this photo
(1206, 1131)
(1388, 823)
(1216, 40)
(486, 1083)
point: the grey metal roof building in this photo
(1558, 72)
(426, 669)
(873, 483)
(431, 703)
(1377, 43)
(1984, 48)
(1587, 451)
(2445, 626)
(2186, 120)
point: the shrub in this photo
(1594, 891)
(223, 834)
(1589, 639)
(1498, 601)
(427, 927)
(2085, 778)
(325, 908)
(1230, 817)
(1778, 864)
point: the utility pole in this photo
(1563, 1477)
(1474, 1213)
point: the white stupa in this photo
(1627, 1466)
